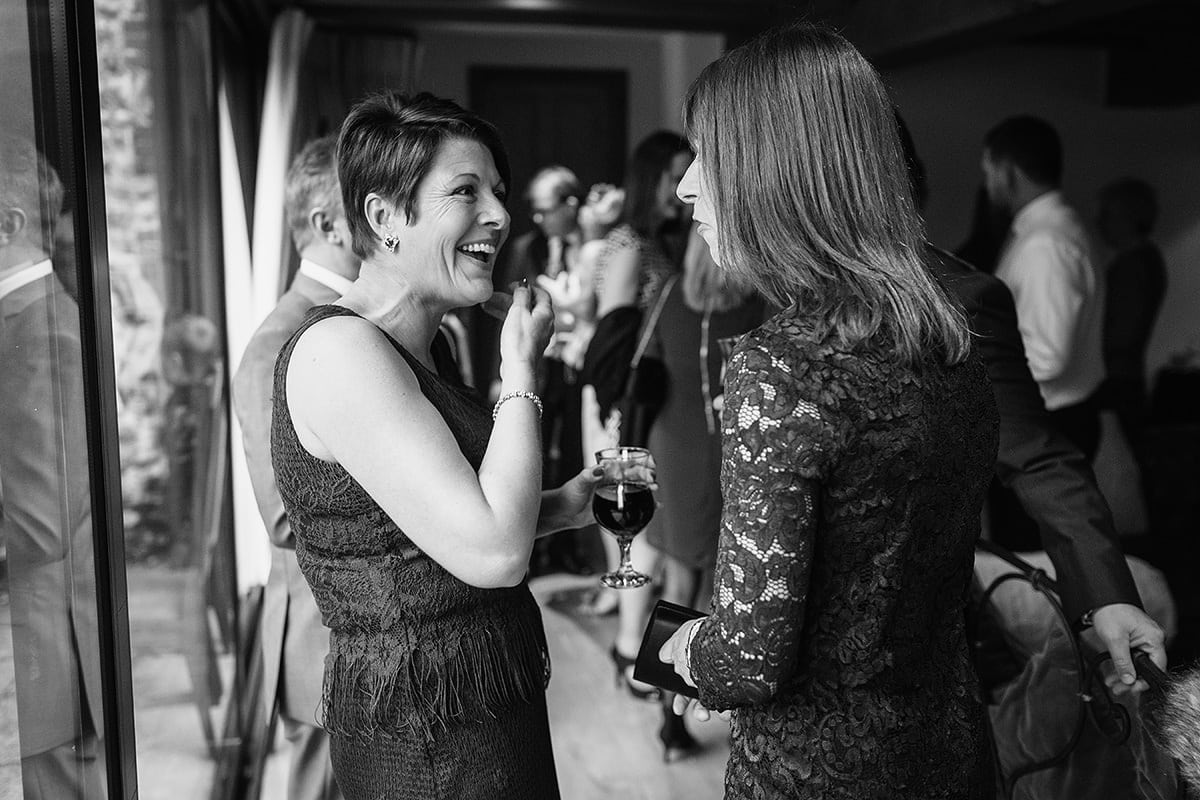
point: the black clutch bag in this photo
(665, 619)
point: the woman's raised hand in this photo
(526, 332)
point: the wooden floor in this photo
(606, 742)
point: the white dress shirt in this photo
(1060, 299)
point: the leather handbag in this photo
(665, 619)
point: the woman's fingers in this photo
(681, 704)
(542, 304)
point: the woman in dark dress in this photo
(414, 505)
(859, 433)
(705, 307)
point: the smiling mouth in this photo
(480, 251)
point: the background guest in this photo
(631, 268)
(294, 640)
(1047, 265)
(1046, 475)
(1137, 281)
(706, 306)
(45, 496)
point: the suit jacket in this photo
(1051, 478)
(46, 516)
(294, 639)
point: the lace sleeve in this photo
(777, 446)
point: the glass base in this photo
(624, 579)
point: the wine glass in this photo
(623, 504)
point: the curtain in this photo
(270, 244)
(252, 549)
(334, 68)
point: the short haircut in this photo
(650, 159)
(387, 145)
(312, 183)
(28, 182)
(800, 151)
(1031, 144)
(1134, 199)
(561, 180)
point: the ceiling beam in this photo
(691, 15)
(893, 33)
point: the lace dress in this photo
(852, 490)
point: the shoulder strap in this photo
(652, 321)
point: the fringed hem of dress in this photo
(401, 683)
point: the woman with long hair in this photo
(858, 436)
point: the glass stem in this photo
(624, 542)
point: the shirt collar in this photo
(22, 275)
(1036, 211)
(325, 276)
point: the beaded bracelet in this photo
(537, 401)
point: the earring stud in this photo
(391, 242)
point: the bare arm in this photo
(367, 414)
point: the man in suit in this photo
(551, 248)
(45, 499)
(1052, 478)
(1049, 475)
(293, 637)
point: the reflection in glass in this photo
(48, 626)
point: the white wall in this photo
(660, 65)
(949, 104)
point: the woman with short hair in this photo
(415, 506)
(858, 433)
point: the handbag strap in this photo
(652, 321)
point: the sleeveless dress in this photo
(686, 436)
(433, 688)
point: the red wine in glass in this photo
(623, 504)
(623, 508)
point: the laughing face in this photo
(458, 225)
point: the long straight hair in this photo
(798, 143)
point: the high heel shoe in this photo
(676, 741)
(622, 663)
